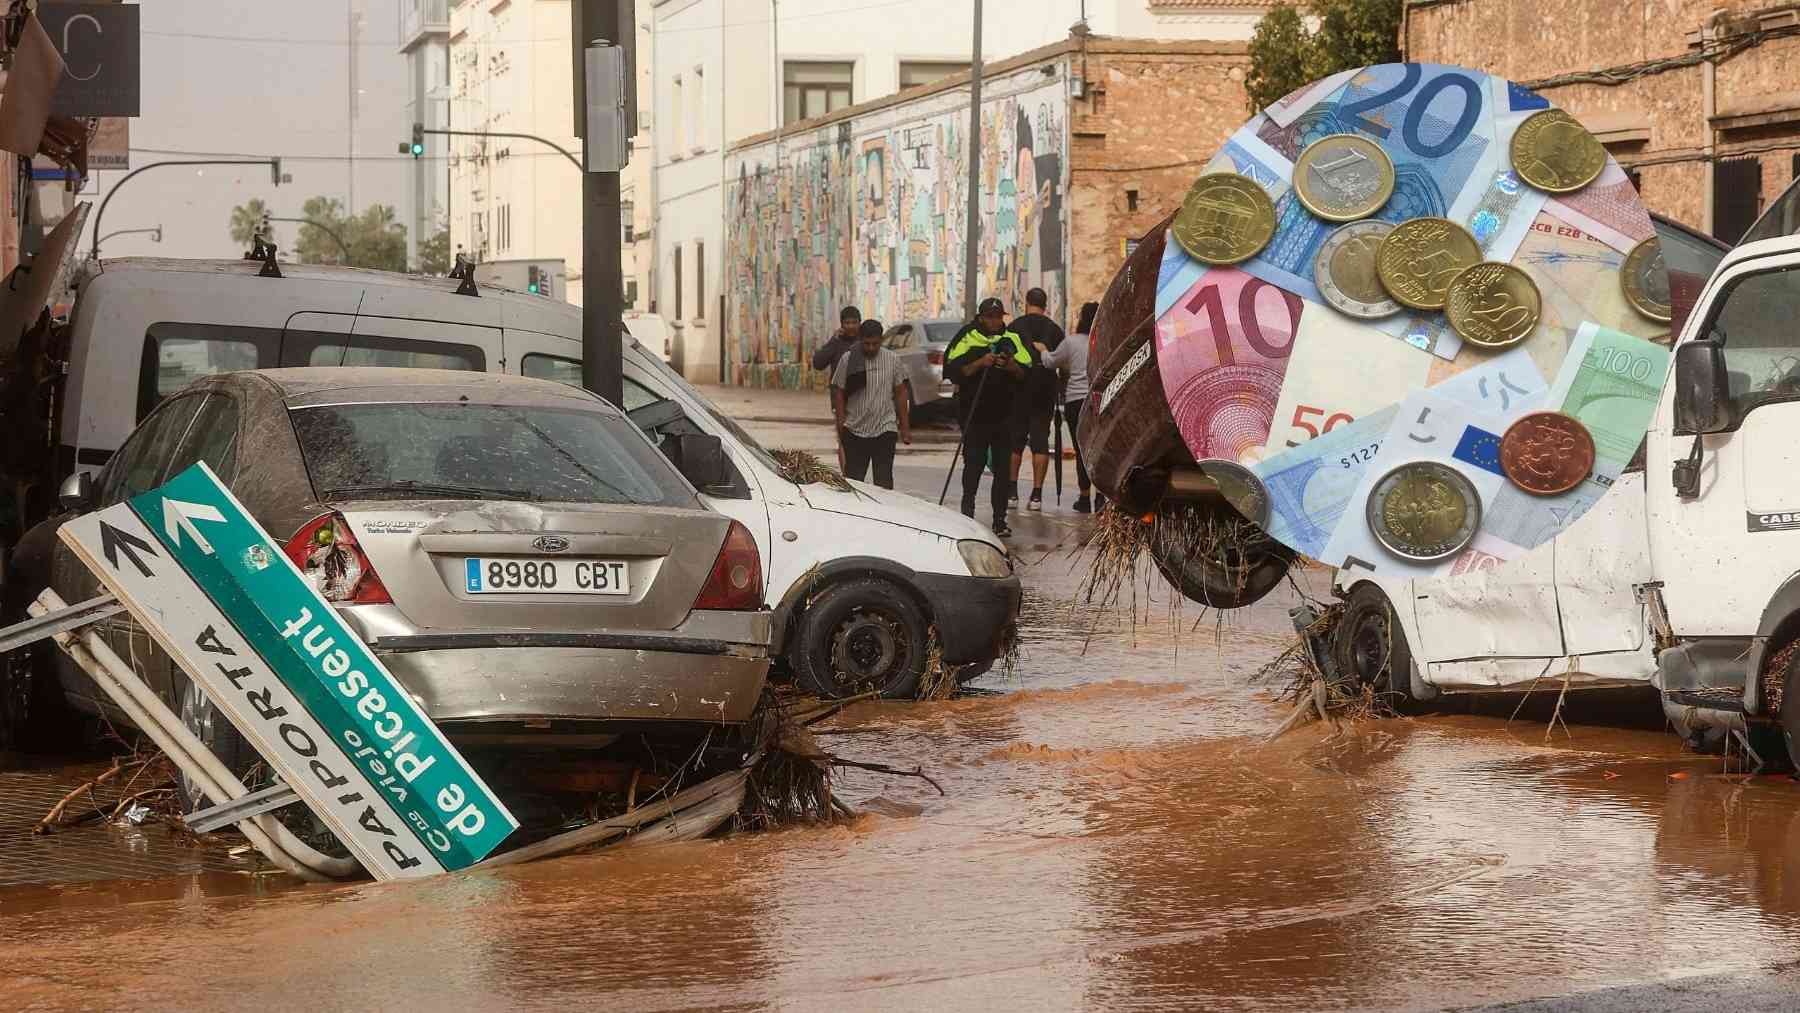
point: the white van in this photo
(859, 581)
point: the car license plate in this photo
(545, 576)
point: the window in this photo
(698, 91)
(311, 348)
(814, 89)
(631, 292)
(176, 354)
(626, 210)
(1762, 349)
(699, 281)
(677, 117)
(565, 370)
(917, 72)
(1691, 259)
(483, 451)
(140, 463)
(677, 281)
(1737, 196)
(211, 438)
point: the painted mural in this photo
(870, 212)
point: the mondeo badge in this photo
(550, 543)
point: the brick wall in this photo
(1153, 115)
(1656, 124)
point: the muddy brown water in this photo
(1114, 835)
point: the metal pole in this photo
(101, 212)
(565, 152)
(602, 296)
(972, 226)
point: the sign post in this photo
(227, 604)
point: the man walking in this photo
(868, 397)
(825, 357)
(987, 363)
(1070, 361)
(1037, 402)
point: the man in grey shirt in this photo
(868, 396)
(1070, 360)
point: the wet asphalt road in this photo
(1115, 835)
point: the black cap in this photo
(990, 305)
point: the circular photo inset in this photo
(1446, 344)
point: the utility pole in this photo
(972, 227)
(605, 85)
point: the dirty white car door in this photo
(1493, 626)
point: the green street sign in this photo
(368, 714)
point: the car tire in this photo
(1790, 709)
(860, 635)
(1369, 646)
(1234, 579)
(215, 732)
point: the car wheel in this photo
(215, 732)
(861, 635)
(1220, 577)
(1369, 646)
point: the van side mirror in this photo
(1702, 389)
(700, 457)
(77, 492)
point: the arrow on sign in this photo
(180, 516)
(113, 541)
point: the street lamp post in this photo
(155, 234)
(274, 165)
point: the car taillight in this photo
(326, 552)
(736, 579)
(935, 356)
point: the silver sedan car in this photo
(523, 559)
(921, 344)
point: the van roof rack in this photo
(263, 250)
(465, 271)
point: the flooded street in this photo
(1113, 835)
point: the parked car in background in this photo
(857, 580)
(516, 551)
(921, 344)
(651, 331)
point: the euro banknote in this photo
(1611, 382)
(1222, 349)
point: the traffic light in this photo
(533, 284)
(418, 141)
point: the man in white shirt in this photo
(868, 396)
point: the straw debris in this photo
(802, 468)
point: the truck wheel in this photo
(857, 636)
(1369, 646)
(1790, 708)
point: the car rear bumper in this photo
(710, 669)
(974, 615)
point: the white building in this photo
(728, 69)
(517, 199)
(425, 45)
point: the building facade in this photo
(1694, 98)
(732, 69)
(425, 46)
(1085, 145)
(513, 198)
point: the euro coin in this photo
(1420, 256)
(1225, 219)
(1493, 305)
(1344, 270)
(1424, 511)
(1343, 177)
(1241, 488)
(1645, 278)
(1553, 152)
(1546, 453)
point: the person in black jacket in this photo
(987, 363)
(826, 356)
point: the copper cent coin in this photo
(1547, 453)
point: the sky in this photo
(257, 78)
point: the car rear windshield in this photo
(482, 451)
(945, 331)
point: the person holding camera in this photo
(987, 362)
